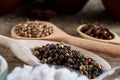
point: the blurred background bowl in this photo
(112, 7)
(8, 6)
(3, 68)
(66, 6)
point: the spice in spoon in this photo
(97, 32)
(33, 29)
(60, 54)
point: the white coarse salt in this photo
(44, 72)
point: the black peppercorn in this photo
(60, 54)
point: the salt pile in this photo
(44, 72)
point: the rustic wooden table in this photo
(93, 12)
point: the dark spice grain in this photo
(60, 54)
(97, 32)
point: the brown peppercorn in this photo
(70, 60)
(97, 32)
(61, 57)
(76, 66)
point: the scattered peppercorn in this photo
(33, 29)
(97, 32)
(61, 54)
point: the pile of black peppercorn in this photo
(97, 32)
(60, 54)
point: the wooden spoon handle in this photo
(5, 42)
(110, 49)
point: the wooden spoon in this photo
(59, 35)
(23, 50)
(115, 40)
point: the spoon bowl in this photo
(23, 50)
(56, 32)
(59, 35)
(115, 40)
